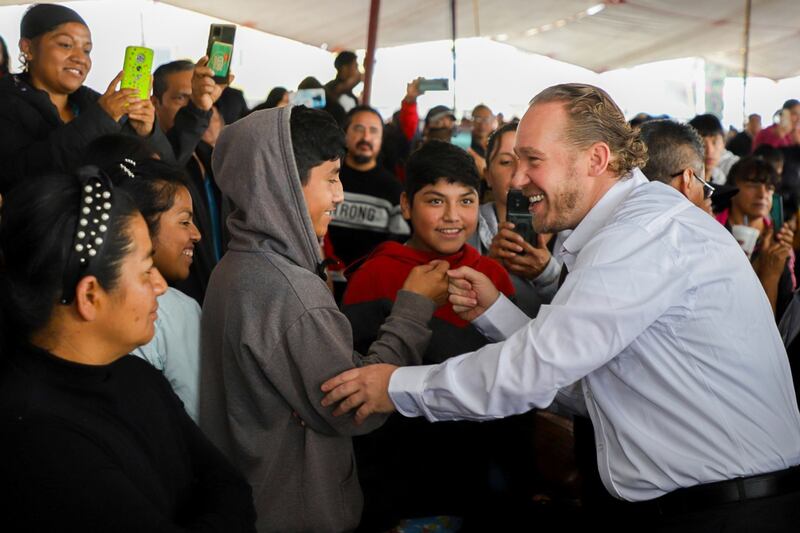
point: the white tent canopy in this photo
(590, 33)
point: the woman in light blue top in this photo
(161, 194)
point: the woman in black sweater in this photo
(47, 115)
(92, 439)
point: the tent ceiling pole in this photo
(453, 36)
(369, 60)
(746, 56)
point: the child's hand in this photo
(430, 281)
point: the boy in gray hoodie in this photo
(271, 331)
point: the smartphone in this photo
(225, 34)
(776, 213)
(313, 98)
(137, 69)
(435, 84)
(517, 213)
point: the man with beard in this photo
(370, 213)
(686, 382)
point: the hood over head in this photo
(254, 167)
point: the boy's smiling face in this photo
(443, 216)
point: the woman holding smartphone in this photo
(47, 115)
(93, 439)
(534, 271)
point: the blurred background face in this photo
(501, 167)
(177, 95)
(364, 137)
(60, 59)
(714, 145)
(754, 125)
(483, 122)
(794, 116)
(754, 199)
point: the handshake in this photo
(366, 389)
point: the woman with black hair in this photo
(92, 439)
(47, 115)
(161, 193)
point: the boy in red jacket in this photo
(441, 203)
(402, 473)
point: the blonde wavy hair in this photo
(594, 117)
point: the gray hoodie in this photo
(272, 334)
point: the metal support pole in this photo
(746, 57)
(369, 60)
(453, 36)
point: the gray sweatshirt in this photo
(271, 334)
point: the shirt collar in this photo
(597, 217)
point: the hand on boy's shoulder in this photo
(429, 280)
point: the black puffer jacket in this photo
(34, 139)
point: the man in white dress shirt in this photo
(661, 333)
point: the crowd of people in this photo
(317, 320)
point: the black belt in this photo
(739, 489)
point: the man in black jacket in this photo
(184, 95)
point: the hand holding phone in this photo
(776, 213)
(435, 84)
(137, 70)
(518, 214)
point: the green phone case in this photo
(220, 59)
(137, 69)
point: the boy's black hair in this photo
(437, 160)
(309, 82)
(343, 59)
(770, 154)
(707, 125)
(360, 109)
(316, 138)
(790, 103)
(754, 169)
(161, 73)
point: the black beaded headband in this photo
(94, 218)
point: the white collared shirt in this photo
(664, 329)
